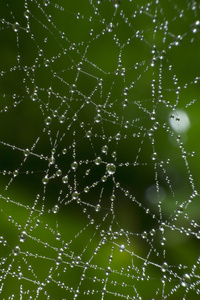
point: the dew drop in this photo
(86, 189)
(185, 280)
(116, 3)
(98, 161)
(62, 119)
(23, 236)
(79, 66)
(74, 165)
(108, 271)
(26, 152)
(125, 91)
(153, 115)
(98, 118)
(123, 71)
(16, 27)
(121, 248)
(97, 207)
(154, 156)
(75, 195)
(115, 235)
(162, 54)
(46, 2)
(15, 173)
(72, 88)
(153, 62)
(110, 27)
(195, 27)
(88, 133)
(111, 169)
(164, 267)
(45, 180)
(58, 236)
(65, 179)
(46, 63)
(58, 173)
(55, 209)
(58, 261)
(27, 14)
(16, 250)
(48, 120)
(118, 136)
(34, 96)
(177, 40)
(125, 102)
(156, 125)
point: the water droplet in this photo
(75, 195)
(65, 179)
(26, 152)
(123, 71)
(98, 161)
(195, 27)
(177, 40)
(46, 63)
(164, 267)
(27, 14)
(162, 54)
(58, 261)
(144, 235)
(45, 180)
(125, 102)
(185, 280)
(118, 136)
(110, 27)
(48, 120)
(125, 91)
(86, 189)
(179, 209)
(15, 173)
(46, 2)
(154, 156)
(121, 248)
(16, 27)
(55, 209)
(115, 235)
(153, 115)
(88, 133)
(58, 172)
(16, 250)
(34, 96)
(79, 66)
(108, 271)
(156, 125)
(116, 3)
(58, 236)
(74, 165)
(62, 119)
(111, 169)
(97, 207)
(23, 236)
(72, 88)
(153, 62)
(98, 118)
(104, 149)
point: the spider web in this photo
(99, 149)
